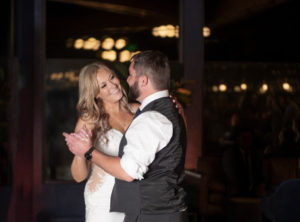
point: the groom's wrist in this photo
(88, 154)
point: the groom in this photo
(150, 167)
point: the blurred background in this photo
(235, 68)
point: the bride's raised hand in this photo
(84, 133)
(87, 131)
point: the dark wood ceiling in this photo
(248, 29)
(131, 13)
(96, 16)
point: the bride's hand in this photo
(179, 107)
(79, 143)
(84, 133)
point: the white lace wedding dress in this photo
(99, 186)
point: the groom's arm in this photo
(148, 134)
(79, 146)
(111, 165)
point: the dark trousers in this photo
(173, 217)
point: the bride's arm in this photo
(80, 167)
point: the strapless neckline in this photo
(114, 129)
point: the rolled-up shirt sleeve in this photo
(148, 134)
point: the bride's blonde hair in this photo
(90, 107)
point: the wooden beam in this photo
(192, 56)
(113, 8)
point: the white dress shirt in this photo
(148, 133)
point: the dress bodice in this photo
(99, 186)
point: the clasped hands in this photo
(80, 142)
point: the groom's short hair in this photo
(155, 65)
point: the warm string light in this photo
(120, 43)
(163, 31)
(264, 88)
(287, 87)
(171, 31)
(215, 88)
(108, 43)
(69, 75)
(237, 89)
(108, 46)
(206, 31)
(110, 55)
(124, 56)
(222, 87)
(78, 44)
(89, 44)
(243, 87)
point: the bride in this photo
(104, 109)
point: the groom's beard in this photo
(134, 92)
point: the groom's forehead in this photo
(131, 68)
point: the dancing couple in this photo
(132, 154)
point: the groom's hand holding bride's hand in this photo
(80, 142)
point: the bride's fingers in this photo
(90, 133)
(82, 134)
(177, 105)
(76, 136)
(87, 131)
(175, 101)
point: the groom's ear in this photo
(144, 80)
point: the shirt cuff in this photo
(132, 168)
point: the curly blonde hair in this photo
(90, 108)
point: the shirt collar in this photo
(152, 97)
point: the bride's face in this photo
(109, 86)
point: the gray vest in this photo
(160, 191)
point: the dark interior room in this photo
(235, 69)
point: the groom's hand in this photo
(78, 143)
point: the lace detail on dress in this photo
(96, 179)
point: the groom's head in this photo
(149, 72)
